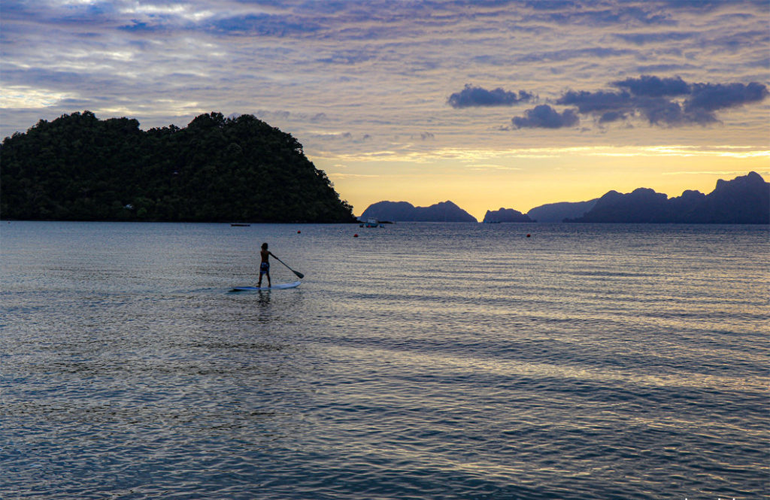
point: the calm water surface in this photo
(434, 361)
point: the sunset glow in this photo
(489, 104)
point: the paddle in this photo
(299, 275)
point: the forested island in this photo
(216, 169)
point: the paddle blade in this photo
(299, 275)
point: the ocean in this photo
(415, 361)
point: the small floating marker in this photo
(529, 235)
(355, 235)
(299, 232)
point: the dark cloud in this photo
(597, 102)
(614, 106)
(476, 96)
(612, 116)
(652, 86)
(664, 101)
(544, 116)
(711, 97)
(659, 111)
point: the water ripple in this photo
(425, 362)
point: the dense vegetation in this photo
(78, 167)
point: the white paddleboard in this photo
(282, 286)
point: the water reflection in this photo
(406, 365)
(263, 298)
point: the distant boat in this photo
(371, 222)
(238, 224)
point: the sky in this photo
(489, 104)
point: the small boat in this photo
(238, 224)
(371, 222)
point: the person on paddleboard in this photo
(264, 267)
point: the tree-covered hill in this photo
(78, 167)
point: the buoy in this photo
(355, 235)
(299, 232)
(528, 236)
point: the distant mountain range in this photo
(743, 200)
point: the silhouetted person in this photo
(264, 267)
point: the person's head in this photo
(264, 246)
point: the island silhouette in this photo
(401, 211)
(219, 169)
(743, 200)
(216, 169)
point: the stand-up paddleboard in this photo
(282, 286)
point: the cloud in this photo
(544, 116)
(612, 116)
(347, 57)
(476, 96)
(670, 113)
(711, 97)
(597, 102)
(570, 54)
(664, 101)
(552, 5)
(665, 68)
(265, 25)
(585, 14)
(645, 38)
(653, 86)
(334, 65)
